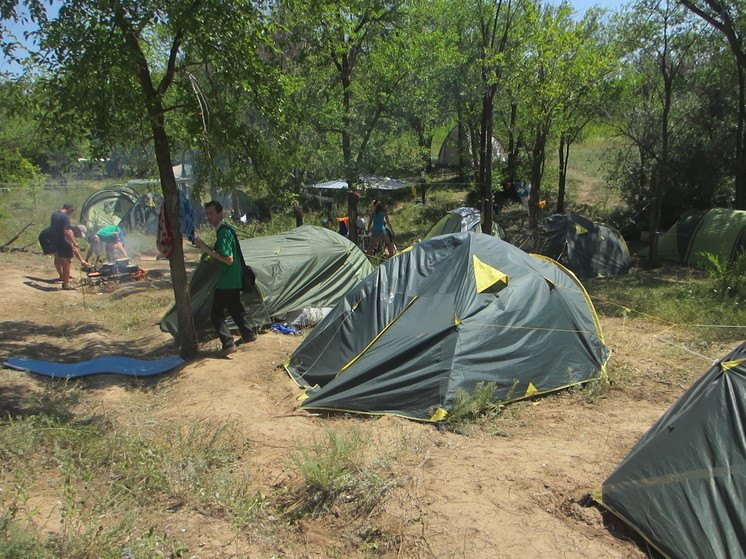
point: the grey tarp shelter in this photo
(461, 220)
(587, 248)
(306, 267)
(107, 206)
(683, 485)
(451, 312)
(720, 231)
(371, 182)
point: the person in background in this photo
(112, 237)
(230, 280)
(63, 237)
(377, 224)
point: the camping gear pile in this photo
(117, 272)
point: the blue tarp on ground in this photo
(114, 365)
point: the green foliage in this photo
(479, 403)
(729, 278)
(336, 471)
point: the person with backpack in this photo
(62, 236)
(230, 280)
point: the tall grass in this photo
(338, 471)
(690, 302)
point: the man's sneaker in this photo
(68, 287)
(227, 350)
(246, 338)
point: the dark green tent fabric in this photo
(461, 220)
(720, 231)
(453, 311)
(587, 248)
(683, 485)
(305, 267)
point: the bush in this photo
(729, 278)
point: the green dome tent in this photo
(461, 220)
(453, 311)
(305, 267)
(720, 231)
(587, 248)
(683, 485)
(107, 206)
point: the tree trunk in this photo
(512, 143)
(537, 171)
(740, 182)
(484, 170)
(461, 146)
(187, 339)
(564, 153)
(351, 175)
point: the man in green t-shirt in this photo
(230, 280)
(112, 237)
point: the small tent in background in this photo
(586, 248)
(107, 206)
(462, 220)
(683, 485)
(448, 154)
(451, 312)
(719, 231)
(305, 267)
(238, 206)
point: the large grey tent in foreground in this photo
(587, 248)
(305, 267)
(683, 485)
(452, 312)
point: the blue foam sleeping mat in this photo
(115, 365)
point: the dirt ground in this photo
(509, 495)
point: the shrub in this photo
(729, 278)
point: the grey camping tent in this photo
(683, 485)
(305, 267)
(451, 312)
(587, 248)
(462, 220)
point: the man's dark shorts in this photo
(64, 249)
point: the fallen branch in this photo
(10, 242)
